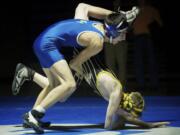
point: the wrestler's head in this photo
(115, 24)
(133, 103)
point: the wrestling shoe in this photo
(41, 123)
(32, 121)
(131, 14)
(22, 74)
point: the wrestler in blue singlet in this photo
(47, 46)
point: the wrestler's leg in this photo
(66, 87)
(32, 118)
(45, 89)
(41, 80)
(55, 92)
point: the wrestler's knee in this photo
(49, 87)
(52, 84)
(71, 86)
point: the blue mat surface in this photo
(86, 115)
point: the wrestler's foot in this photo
(41, 123)
(22, 74)
(32, 121)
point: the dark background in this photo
(21, 22)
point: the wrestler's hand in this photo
(158, 124)
(77, 68)
(131, 14)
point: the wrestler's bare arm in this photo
(93, 44)
(141, 123)
(84, 11)
(112, 107)
(114, 101)
(135, 121)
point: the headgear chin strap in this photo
(113, 31)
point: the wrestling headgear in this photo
(133, 103)
(115, 23)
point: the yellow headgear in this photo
(133, 103)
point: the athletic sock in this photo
(40, 109)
